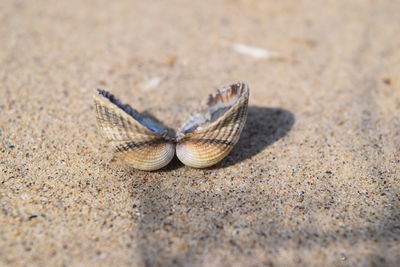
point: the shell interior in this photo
(217, 105)
(144, 118)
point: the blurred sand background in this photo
(313, 181)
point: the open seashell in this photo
(203, 140)
(211, 132)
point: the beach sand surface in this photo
(313, 181)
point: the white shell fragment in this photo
(152, 83)
(252, 51)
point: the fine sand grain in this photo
(314, 179)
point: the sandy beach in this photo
(313, 181)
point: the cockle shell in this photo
(203, 140)
(211, 133)
(141, 142)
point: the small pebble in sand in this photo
(387, 81)
(32, 217)
(170, 60)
